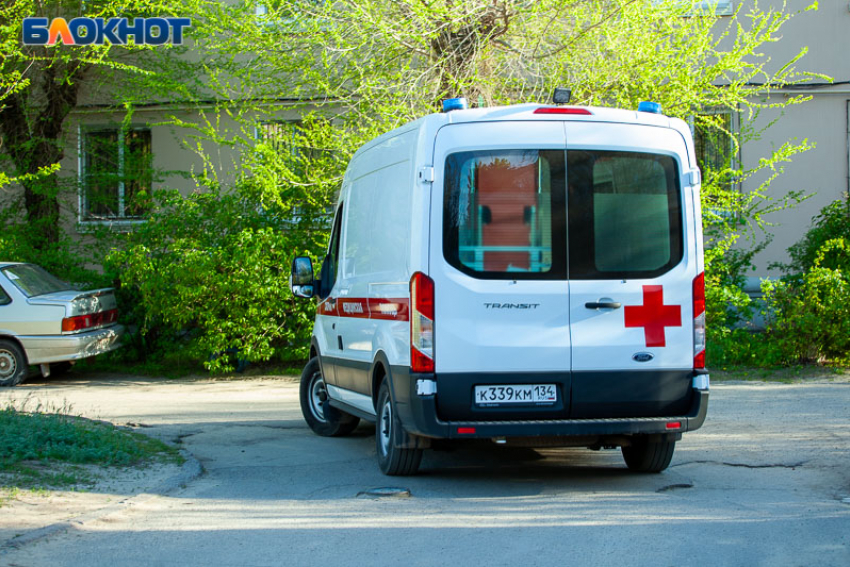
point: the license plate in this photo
(515, 394)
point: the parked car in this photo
(45, 321)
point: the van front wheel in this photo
(645, 455)
(392, 460)
(319, 415)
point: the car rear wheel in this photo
(13, 364)
(392, 460)
(646, 455)
(319, 415)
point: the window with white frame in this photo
(285, 136)
(714, 141)
(117, 174)
(701, 7)
(297, 153)
(288, 139)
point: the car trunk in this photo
(84, 310)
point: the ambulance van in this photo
(527, 274)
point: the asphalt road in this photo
(765, 482)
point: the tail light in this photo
(563, 110)
(90, 321)
(421, 323)
(699, 321)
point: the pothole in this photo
(675, 487)
(385, 492)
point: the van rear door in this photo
(631, 270)
(498, 261)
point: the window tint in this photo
(624, 214)
(503, 216)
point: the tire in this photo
(319, 415)
(13, 364)
(648, 456)
(393, 461)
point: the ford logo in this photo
(642, 357)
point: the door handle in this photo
(603, 304)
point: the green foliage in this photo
(68, 258)
(208, 273)
(736, 346)
(808, 314)
(833, 222)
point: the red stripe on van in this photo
(328, 307)
(387, 309)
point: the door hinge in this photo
(694, 177)
(426, 174)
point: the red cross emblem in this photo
(653, 315)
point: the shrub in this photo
(208, 274)
(833, 222)
(808, 314)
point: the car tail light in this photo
(699, 321)
(421, 323)
(562, 110)
(90, 321)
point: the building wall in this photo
(822, 172)
(175, 156)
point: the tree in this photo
(41, 85)
(374, 65)
(357, 69)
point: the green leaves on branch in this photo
(209, 275)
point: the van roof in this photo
(525, 112)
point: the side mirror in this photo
(301, 279)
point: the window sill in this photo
(116, 225)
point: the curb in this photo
(189, 471)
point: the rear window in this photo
(624, 214)
(509, 214)
(504, 214)
(33, 280)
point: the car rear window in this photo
(624, 214)
(33, 280)
(503, 215)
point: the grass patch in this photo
(52, 448)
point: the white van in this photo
(526, 274)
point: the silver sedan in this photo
(45, 321)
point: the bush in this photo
(833, 222)
(208, 274)
(808, 314)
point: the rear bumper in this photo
(44, 349)
(420, 416)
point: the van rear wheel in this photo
(646, 455)
(323, 419)
(393, 461)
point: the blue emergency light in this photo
(648, 106)
(454, 104)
